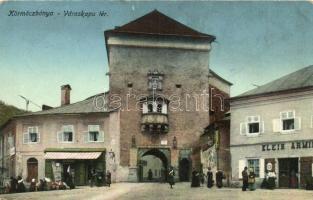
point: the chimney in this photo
(65, 95)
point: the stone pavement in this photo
(156, 191)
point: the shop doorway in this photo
(288, 170)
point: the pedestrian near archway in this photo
(171, 175)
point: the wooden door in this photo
(32, 169)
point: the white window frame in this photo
(287, 118)
(28, 135)
(63, 131)
(244, 127)
(251, 120)
(101, 133)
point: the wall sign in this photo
(306, 144)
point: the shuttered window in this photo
(94, 134)
(32, 135)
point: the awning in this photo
(72, 155)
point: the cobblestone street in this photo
(141, 191)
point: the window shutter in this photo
(262, 168)
(276, 125)
(312, 121)
(38, 137)
(261, 124)
(86, 136)
(243, 128)
(60, 136)
(101, 136)
(242, 164)
(297, 123)
(25, 138)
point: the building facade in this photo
(271, 130)
(214, 142)
(159, 68)
(58, 143)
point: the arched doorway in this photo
(158, 160)
(184, 169)
(32, 169)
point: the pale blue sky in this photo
(256, 43)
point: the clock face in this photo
(269, 166)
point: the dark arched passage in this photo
(161, 154)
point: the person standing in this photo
(171, 175)
(13, 185)
(150, 175)
(108, 178)
(195, 180)
(210, 178)
(93, 177)
(251, 180)
(219, 178)
(244, 174)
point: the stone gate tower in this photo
(158, 72)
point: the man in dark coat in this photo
(195, 179)
(13, 185)
(150, 175)
(219, 178)
(244, 174)
(171, 175)
(210, 178)
(108, 178)
(20, 184)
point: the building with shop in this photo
(72, 139)
(271, 130)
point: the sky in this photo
(256, 42)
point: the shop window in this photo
(254, 164)
(94, 134)
(67, 134)
(32, 135)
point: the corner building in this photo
(271, 130)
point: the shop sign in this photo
(305, 144)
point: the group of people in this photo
(248, 179)
(17, 185)
(98, 179)
(198, 177)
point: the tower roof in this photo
(157, 23)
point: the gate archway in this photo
(32, 169)
(154, 156)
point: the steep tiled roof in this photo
(156, 23)
(81, 107)
(302, 78)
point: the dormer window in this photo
(155, 80)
